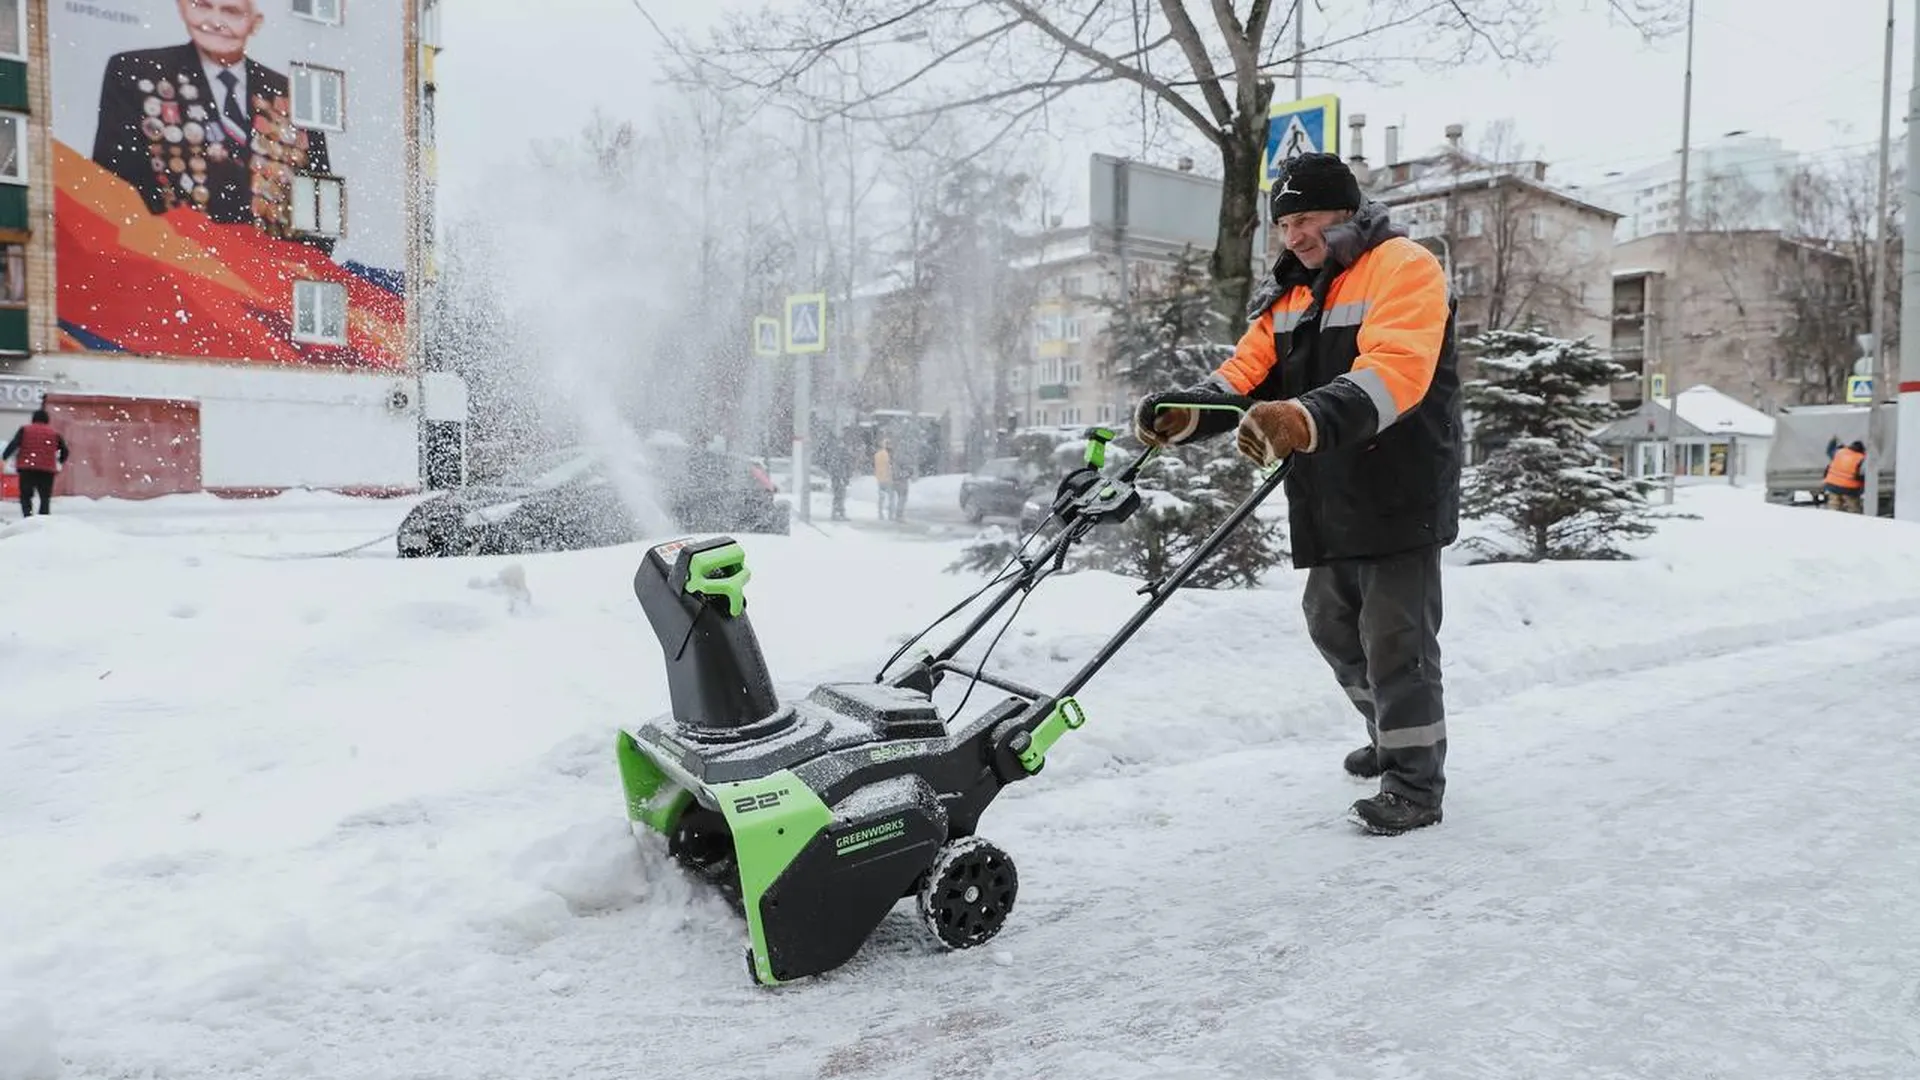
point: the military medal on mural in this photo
(183, 139)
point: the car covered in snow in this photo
(579, 498)
(1001, 487)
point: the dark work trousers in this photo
(34, 481)
(1377, 623)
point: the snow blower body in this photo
(815, 817)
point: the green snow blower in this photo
(815, 817)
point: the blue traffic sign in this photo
(1308, 126)
(807, 323)
(1859, 389)
(766, 336)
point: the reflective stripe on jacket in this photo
(1367, 346)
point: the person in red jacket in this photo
(42, 451)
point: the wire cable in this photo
(1003, 575)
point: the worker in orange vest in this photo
(1847, 477)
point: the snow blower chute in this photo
(815, 817)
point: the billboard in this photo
(231, 179)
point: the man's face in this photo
(1304, 234)
(220, 27)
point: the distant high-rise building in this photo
(1739, 181)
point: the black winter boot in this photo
(1387, 814)
(1364, 763)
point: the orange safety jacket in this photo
(1846, 471)
(1366, 344)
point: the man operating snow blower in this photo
(1351, 359)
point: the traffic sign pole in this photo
(806, 335)
(802, 422)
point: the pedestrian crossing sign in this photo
(1859, 389)
(766, 336)
(1308, 126)
(807, 323)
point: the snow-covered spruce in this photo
(1550, 487)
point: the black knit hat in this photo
(1314, 182)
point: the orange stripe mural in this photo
(182, 284)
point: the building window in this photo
(1539, 225)
(13, 285)
(1475, 223)
(1070, 414)
(326, 11)
(1468, 278)
(1073, 329)
(13, 148)
(1073, 374)
(320, 312)
(319, 205)
(1106, 414)
(319, 98)
(13, 29)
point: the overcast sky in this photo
(1806, 73)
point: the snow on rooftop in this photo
(1715, 413)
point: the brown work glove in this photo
(1273, 429)
(1163, 427)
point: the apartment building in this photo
(1735, 317)
(214, 218)
(1518, 250)
(1738, 181)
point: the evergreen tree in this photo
(1552, 488)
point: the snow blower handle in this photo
(1203, 401)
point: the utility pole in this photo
(1877, 442)
(1675, 326)
(1906, 440)
(1299, 49)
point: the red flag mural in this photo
(181, 284)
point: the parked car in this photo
(999, 488)
(571, 499)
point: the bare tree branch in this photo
(1125, 71)
(1187, 35)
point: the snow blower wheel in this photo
(968, 894)
(816, 816)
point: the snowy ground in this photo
(358, 818)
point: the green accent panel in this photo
(722, 572)
(13, 85)
(1051, 392)
(13, 207)
(1208, 407)
(1097, 447)
(650, 798)
(1066, 716)
(772, 819)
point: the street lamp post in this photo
(1679, 260)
